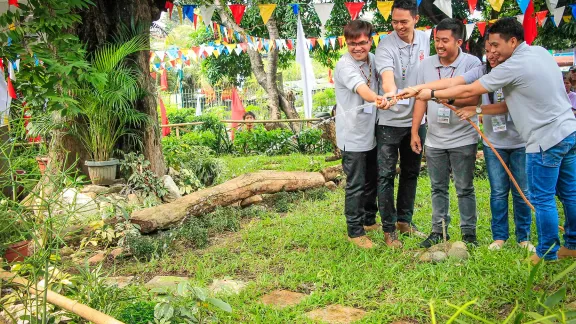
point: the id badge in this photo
(368, 108)
(444, 115)
(499, 123)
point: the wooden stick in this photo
(68, 304)
(229, 121)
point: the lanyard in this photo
(369, 78)
(405, 67)
(451, 75)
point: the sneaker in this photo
(528, 246)
(362, 242)
(372, 228)
(496, 245)
(565, 252)
(409, 229)
(391, 240)
(433, 239)
(470, 239)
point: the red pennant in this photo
(196, 50)
(313, 42)
(237, 12)
(13, 3)
(170, 6)
(289, 44)
(153, 75)
(164, 80)
(237, 108)
(481, 27)
(541, 16)
(529, 24)
(164, 118)
(472, 5)
(11, 90)
(354, 8)
(195, 20)
(1, 65)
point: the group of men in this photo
(397, 104)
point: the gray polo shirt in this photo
(393, 54)
(499, 129)
(535, 96)
(354, 127)
(445, 129)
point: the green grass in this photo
(306, 250)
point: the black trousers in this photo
(394, 141)
(360, 207)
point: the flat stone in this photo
(66, 251)
(443, 247)
(173, 190)
(97, 258)
(425, 257)
(336, 314)
(251, 201)
(116, 252)
(282, 298)
(227, 286)
(571, 306)
(79, 203)
(166, 282)
(331, 185)
(133, 199)
(459, 244)
(438, 256)
(115, 188)
(92, 195)
(458, 253)
(95, 189)
(121, 282)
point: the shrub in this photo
(138, 312)
(324, 100)
(194, 232)
(139, 177)
(147, 247)
(223, 219)
(261, 141)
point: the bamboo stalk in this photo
(66, 303)
(229, 121)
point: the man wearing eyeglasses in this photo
(357, 83)
(398, 57)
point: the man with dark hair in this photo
(451, 143)
(537, 102)
(398, 57)
(356, 83)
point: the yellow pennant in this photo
(496, 4)
(216, 53)
(493, 21)
(180, 14)
(385, 8)
(567, 18)
(376, 39)
(321, 42)
(266, 11)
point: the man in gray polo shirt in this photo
(398, 57)
(357, 82)
(542, 114)
(451, 143)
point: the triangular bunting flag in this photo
(313, 42)
(195, 21)
(13, 3)
(385, 8)
(289, 44)
(238, 50)
(469, 30)
(472, 5)
(529, 24)
(376, 39)
(496, 4)
(323, 11)
(341, 41)
(573, 6)
(321, 42)
(295, 8)
(552, 4)
(206, 12)
(541, 16)
(445, 6)
(558, 12)
(180, 14)
(188, 11)
(354, 8)
(520, 18)
(332, 42)
(266, 11)
(237, 12)
(418, 3)
(567, 18)
(523, 4)
(169, 6)
(11, 90)
(481, 27)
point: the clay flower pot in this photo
(42, 163)
(17, 251)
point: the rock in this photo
(443, 247)
(458, 253)
(116, 252)
(115, 188)
(92, 195)
(66, 251)
(133, 199)
(425, 257)
(165, 282)
(98, 190)
(121, 282)
(336, 314)
(78, 203)
(460, 245)
(438, 256)
(173, 190)
(331, 185)
(227, 286)
(251, 201)
(282, 298)
(571, 306)
(97, 258)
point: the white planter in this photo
(102, 172)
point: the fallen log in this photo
(204, 201)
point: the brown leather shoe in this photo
(371, 228)
(564, 253)
(362, 242)
(409, 229)
(391, 240)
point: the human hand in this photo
(416, 144)
(466, 112)
(408, 92)
(424, 95)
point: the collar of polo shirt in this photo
(454, 64)
(359, 63)
(401, 43)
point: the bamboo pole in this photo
(68, 304)
(229, 121)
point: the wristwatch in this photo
(478, 109)
(432, 96)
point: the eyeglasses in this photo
(362, 43)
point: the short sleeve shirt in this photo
(445, 129)
(393, 54)
(535, 95)
(354, 126)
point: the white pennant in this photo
(333, 42)
(445, 6)
(520, 18)
(544, 21)
(11, 73)
(428, 33)
(558, 12)
(323, 10)
(206, 12)
(279, 44)
(160, 55)
(469, 30)
(238, 50)
(552, 4)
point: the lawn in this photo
(305, 250)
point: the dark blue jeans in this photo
(500, 187)
(549, 173)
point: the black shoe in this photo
(470, 239)
(433, 239)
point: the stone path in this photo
(283, 298)
(336, 314)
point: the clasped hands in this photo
(426, 94)
(385, 102)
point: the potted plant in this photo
(106, 102)
(42, 158)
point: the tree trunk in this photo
(266, 79)
(106, 18)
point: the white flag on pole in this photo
(308, 79)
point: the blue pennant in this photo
(188, 11)
(295, 8)
(523, 5)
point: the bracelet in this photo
(417, 91)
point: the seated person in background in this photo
(571, 94)
(248, 126)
